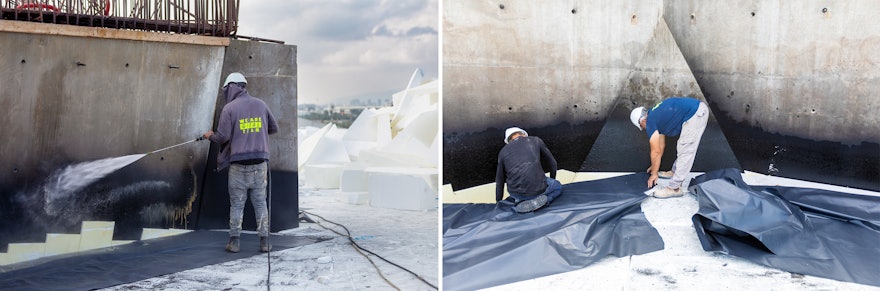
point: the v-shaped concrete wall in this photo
(558, 69)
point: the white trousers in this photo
(691, 133)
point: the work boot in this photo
(667, 192)
(531, 204)
(264, 244)
(665, 174)
(233, 244)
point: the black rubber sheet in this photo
(486, 245)
(807, 231)
(138, 261)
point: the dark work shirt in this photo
(521, 164)
(667, 116)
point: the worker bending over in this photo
(686, 117)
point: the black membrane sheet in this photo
(801, 230)
(138, 261)
(489, 244)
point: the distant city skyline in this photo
(348, 50)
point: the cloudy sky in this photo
(350, 48)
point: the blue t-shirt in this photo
(667, 116)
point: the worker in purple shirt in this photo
(243, 133)
(521, 164)
(677, 116)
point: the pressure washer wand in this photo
(177, 145)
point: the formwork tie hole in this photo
(126, 65)
(15, 170)
(509, 108)
(753, 13)
(824, 9)
(23, 61)
(501, 6)
(574, 11)
(250, 57)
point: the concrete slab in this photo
(565, 176)
(151, 233)
(589, 176)
(21, 252)
(96, 234)
(58, 243)
(478, 194)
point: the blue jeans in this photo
(554, 189)
(247, 180)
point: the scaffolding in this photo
(199, 17)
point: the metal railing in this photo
(202, 17)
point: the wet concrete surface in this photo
(470, 159)
(620, 147)
(799, 158)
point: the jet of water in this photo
(61, 184)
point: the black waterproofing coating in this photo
(138, 261)
(807, 231)
(489, 244)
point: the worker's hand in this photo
(208, 134)
(652, 180)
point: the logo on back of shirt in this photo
(655, 106)
(249, 125)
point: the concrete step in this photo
(93, 235)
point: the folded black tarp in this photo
(489, 244)
(138, 261)
(808, 231)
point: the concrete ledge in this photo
(110, 33)
(478, 194)
(26, 251)
(151, 233)
(57, 243)
(96, 234)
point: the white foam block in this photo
(403, 188)
(322, 176)
(353, 178)
(357, 198)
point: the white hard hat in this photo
(235, 78)
(511, 131)
(635, 115)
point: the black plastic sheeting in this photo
(486, 245)
(138, 261)
(807, 231)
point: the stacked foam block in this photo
(388, 157)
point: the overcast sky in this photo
(351, 48)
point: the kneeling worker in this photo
(686, 117)
(521, 165)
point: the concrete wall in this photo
(791, 86)
(785, 66)
(794, 84)
(271, 72)
(67, 99)
(536, 64)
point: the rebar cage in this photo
(200, 17)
